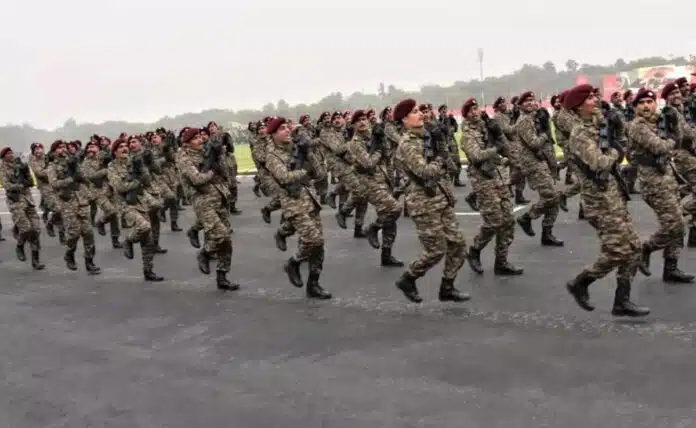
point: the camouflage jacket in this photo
(258, 154)
(17, 193)
(564, 121)
(65, 187)
(117, 173)
(209, 187)
(38, 167)
(96, 175)
(296, 196)
(646, 143)
(366, 165)
(334, 142)
(410, 159)
(474, 146)
(528, 142)
(504, 121)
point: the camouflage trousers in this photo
(26, 220)
(495, 205)
(345, 182)
(517, 178)
(685, 164)
(141, 232)
(665, 204)
(109, 214)
(539, 178)
(357, 199)
(620, 246)
(379, 195)
(440, 235)
(51, 203)
(310, 239)
(214, 217)
(575, 188)
(234, 191)
(169, 200)
(76, 219)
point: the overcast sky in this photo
(139, 60)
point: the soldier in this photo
(564, 122)
(95, 170)
(210, 203)
(163, 148)
(333, 139)
(371, 172)
(605, 207)
(130, 194)
(70, 184)
(16, 180)
(300, 206)
(310, 133)
(484, 145)
(430, 202)
(49, 201)
(658, 185)
(530, 145)
(630, 171)
(268, 187)
(451, 125)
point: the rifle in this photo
(299, 160)
(610, 135)
(377, 138)
(136, 172)
(542, 124)
(169, 147)
(211, 156)
(668, 127)
(493, 137)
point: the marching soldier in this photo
(95, 170)
(430, 202)
(300, 205)
(658, 184)
(70, 184)
(210, 203)
(333, 139)
(17, 185)
(484, 145)
(163, 148)
(605, 207)
(564, 122)
(39, 163)
(231, 165)
(267, 185)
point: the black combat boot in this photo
(519, 197)
(70, 260)
(671, 273)
(115, 244)
(257, 190)
(504, 268)
(128, 249)
(101, 228)
(292, 269)
(35, 262)
(331, 200)
(472, 201)
(474, 258)
(581, 212)
(91, 268)
(623, 307)
(407, 284)
(569, 180)
(50, 228)
(579, 289)
(175, 226)
(280, 241)
(203, 259)
(388, 260)
(266, 215)
(314, 290)
(61, 236)
(563, 202)
(450, 294)
(21, 255)
(322, 199)
(341, 219)
(162, 214)
(373, 236)
(525, 222)
(691, 243)
(458, 182)
(159, 249)
(192, 235)
(644, 266)
(548, 239)
(151, 276)
(225, 284)
(234, 210)
(358, 231)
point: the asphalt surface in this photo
(114, 351)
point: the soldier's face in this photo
(156, 139)
(262, 130)
(589, 107)
(39, 150)
(362, 124)
(9, 156)
(122, 151)
(60, 150)
(339, 121)
(213, 128)
(92, 150)
(204, 136)
(72, 149)
(474, 113)
(675, 98)
(134, 145)
(615, 99)
(646, 107)
(282, 135)
(414, 119)
(528, 105)
(685, 88)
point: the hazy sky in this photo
(139, 60)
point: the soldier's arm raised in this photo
(414, 161)
(92, 173)
(192, 174)
(583, 146)
(333, 142)
(317, 166)
(55, 182)
(527, 134)
(8, 185)
(473, 150)
(279, 170)
(647, 140)
(362, 157)
(119, 184)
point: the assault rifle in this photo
(377, 138)
(22, 173)
(668, 127)
(610, 132)
(542, 123)
(72, 170)
(136, 172)
(493, 137)
(212, 155)
(298, 161)
(169, 147)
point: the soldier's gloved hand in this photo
(145, 180)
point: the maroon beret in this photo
(627, 94)
(357, 115)
(92, 143)
(577, 95)
(498, 101)
(55, 145)
(642, 94)
(383, 114)
(4, 151)
(404, 107)
(562, 95)
(468, 105)
(276, 123)
(681, 81)
(524, 97)
(118, 143)
(190, 134)
(668, 89)
(514, 100)
(34, 146)
(303, 118)
(370, 111)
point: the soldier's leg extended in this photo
(34, 237)
(322, 188)
(92, 211)
(156, 227)
(234, 196)
(109, 214)
(285, 230)
(87, 235)
(310, 248)
(170, 203)
(388, 212)
(192, 233)
(669, 237)
(540, 180)
(272, 205)
(518, 182)
(73, 230)
(217, 237)
(141, 232)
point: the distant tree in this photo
(572, 65)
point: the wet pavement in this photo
(114, 351)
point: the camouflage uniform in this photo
(493, 199)
(268, 186)
(301, 210)
(517, 179)
(74, 196)
(210, 202)
(333, 140)
(96, 172)
(321, 186)
(389, 149)
(374, 183)
(165, 179)
(538, 174)
(231, 164)
(607, 212)
(430, 202)
(23, 211)
(564, 121)
(660, 192)
(49, 200)
(153, 195)
(357, 185)
(136, 213)
(685, 162)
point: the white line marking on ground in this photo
(465, 213)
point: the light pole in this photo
(480, 61)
